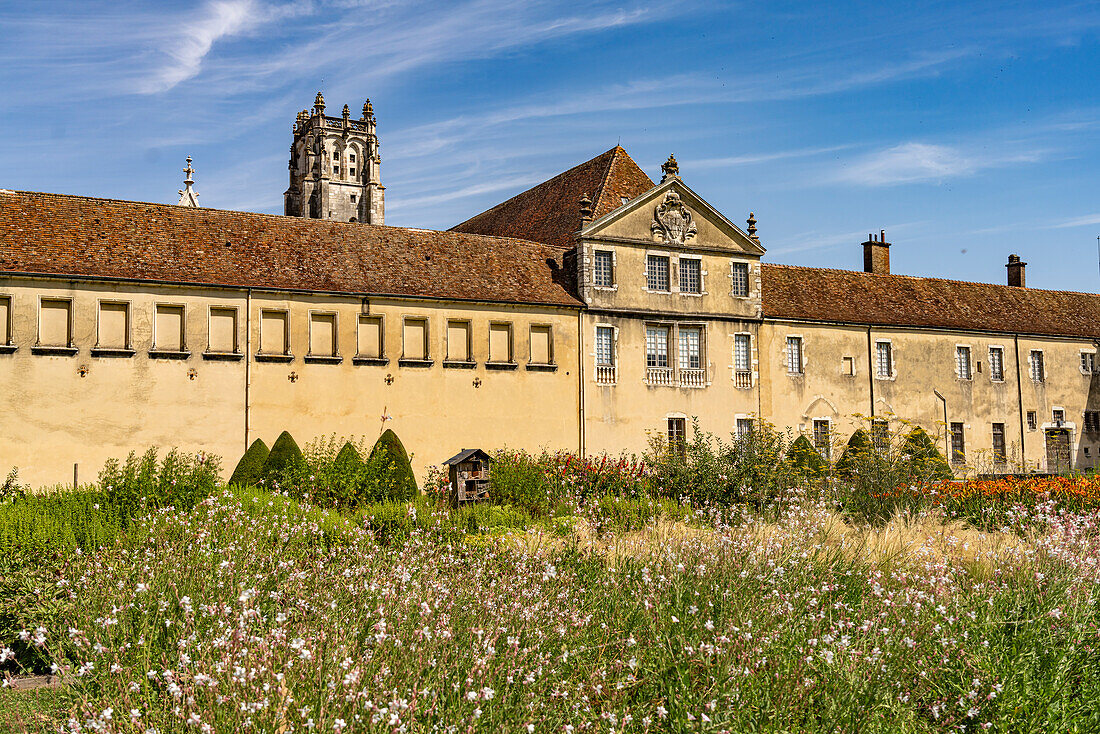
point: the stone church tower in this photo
(335, 167)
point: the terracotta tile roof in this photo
(53, 234)
(821, 294)
(551, 211)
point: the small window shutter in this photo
(322, 334)
(223, 330)
(370, 337)
(540, 345)
(113, 325)
(499, 343)
(169, 328)
(273, 332)
(415, 333)
(458, 341)
(53, 330)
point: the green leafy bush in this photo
(926, 463)
(804, 459)
(285, 465)
(250, 468)
(521, 480)
(390, 470)
(858, 449)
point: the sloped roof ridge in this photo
(545, 182)
(926, 277)
(174, 208)
(606, 172)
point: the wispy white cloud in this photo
(1085, 221)
(194, 40)
(913, 162)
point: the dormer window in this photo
(656, 272)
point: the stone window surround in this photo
(801, 355)
(38, 339)
(614, 268)
(335, 356)
(748, 278)
(286, 332)
(124, 351)
(1081, 362)
(893, 361)
(236, 353)
(970, 363)
(675, 260)
(992, 377)
(8, 345)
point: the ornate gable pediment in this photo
(673, 215)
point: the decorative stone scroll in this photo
(672, 221)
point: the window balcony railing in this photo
(661, 376)
(693, 378)
(606, 374)
(742, 378)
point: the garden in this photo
(740, 584)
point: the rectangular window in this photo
(1058, 416)
(223, 331)
(168, 328)
(962, 363)
(605, 346)
(415, 339)
(274, 332)
(55, 323)
(603, 270)
(880, 435)
(542, 345)
(322, 335)
(744, 427)
(958, 444)
(691, 275)
(885, 361)
(1035, 365)
(677, 430)
(656, 272)
(739, 272)
(848, 366)
(1092, 421)
(1032, 420)
(369, 343)
(794, 355)
(822, 439)
(351, 173)
(1088, 362)
(1000, 455)
(500, 343)
(656, 346)
(5, 320)
(690, 351)
(113, 330)
(742, 356)
(996, 364)
(458, 341)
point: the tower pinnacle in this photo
(188, 197)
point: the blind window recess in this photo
(369, 337)
(415, 340)
(458, 341)
(113, 329)
(322, 335)
(274, 338)
(168, 328)
(5, 320)
(500, 343)
(542, 348)
(55, 323)
(223, 331)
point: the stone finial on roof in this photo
(670, 168)
(319, 103)
(752, 227)
(346, 113)
(586, 209)
(188, 197)
(368, 112)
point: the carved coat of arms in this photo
(672, 221)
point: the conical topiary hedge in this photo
(859, 447)
(285, 457)
(389, 459)
(250, 468)
(926, 463)
(348, 461)
(804, 458)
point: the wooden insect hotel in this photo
(469, 471)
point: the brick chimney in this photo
(876, 254)
(1016, 271)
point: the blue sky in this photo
(967, 130)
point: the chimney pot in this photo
(876, 254)
(1016, 271)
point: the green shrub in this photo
(389, 470)
(858, 449)
(141, 484)
(250, 468)
(285, 465)
(804, 459)
(926, 463)
(519, 479)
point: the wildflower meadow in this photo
(718, 587)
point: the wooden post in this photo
(76, 475)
